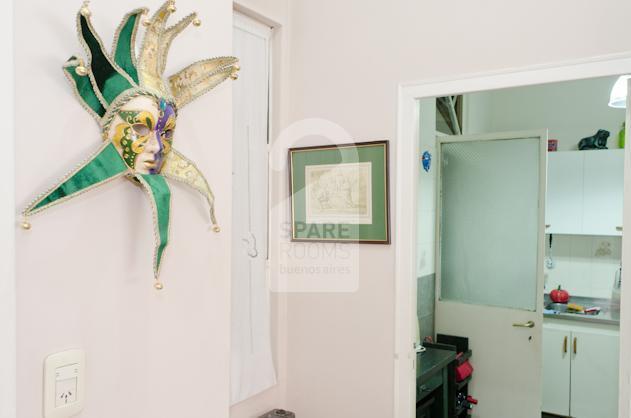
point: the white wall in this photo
(84, 276)
(569, 110)
(7, 227)
(347, 59)
(426, 227)
(584, 265)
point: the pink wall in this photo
(347, 58)
(7, 227)
(84, 277)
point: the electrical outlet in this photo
(64, 384)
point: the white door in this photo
(252, 365)
(556, 370)
(490, 263)
(594, 384)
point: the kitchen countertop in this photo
(432, 376)
(607, 315)
(432, 361)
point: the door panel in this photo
(490, 263)
(594, 382)
(556, 371)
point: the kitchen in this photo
(570, 334)
(583, 275)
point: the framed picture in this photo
(340, 193)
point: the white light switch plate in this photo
(64, 388)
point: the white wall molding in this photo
(624, 401)
(407, 189)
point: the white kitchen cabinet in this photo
(564, 200)
(580, 369)
(556, 375)
(584, 192)
(594, 375)
(603, 185)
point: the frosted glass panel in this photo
(490, 222)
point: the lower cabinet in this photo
(580, 370)
(556, 371)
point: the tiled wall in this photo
(425, 306)
(584, 265)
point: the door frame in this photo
(264, 30)
(407, 159)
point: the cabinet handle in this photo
(618, 228)
(575, 345)
(548, 226)
(565, 345)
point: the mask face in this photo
(142, 132)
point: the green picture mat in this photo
(375, 153)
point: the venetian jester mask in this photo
(136, 109)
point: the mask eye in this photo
(140, 129)
(168, 134)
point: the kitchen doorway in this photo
(411, 169)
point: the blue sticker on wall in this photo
(427, 161)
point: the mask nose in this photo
(153, 146)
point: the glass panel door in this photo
(490, 199)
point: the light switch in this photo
(64, 384)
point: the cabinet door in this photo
(594, 381)
(556, 371)
(564, 199)
(603, 192)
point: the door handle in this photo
(529, 324)
(575, 345)
(565, 345)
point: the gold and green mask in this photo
(136, 109)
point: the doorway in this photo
(252, 365)
(489, 265)
(409, 177)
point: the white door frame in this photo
(407, 163)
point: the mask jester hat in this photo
(137, 110)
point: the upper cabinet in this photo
(564, 197)
(585, 192)
(603, 191)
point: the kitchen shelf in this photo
(462, 411)
(464, 383)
